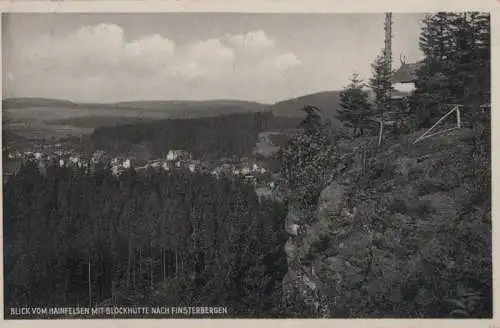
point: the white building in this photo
(115, 170)
(61, 162)
(38, 155)
(172, 155)
(192, 168)
(126, 163)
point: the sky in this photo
(194, 56)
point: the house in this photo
(98, 156)
(174, 155)
(116, 170)
(245, 170)
(250, 178)
(171, 155)
(403, 82)
(406, 75)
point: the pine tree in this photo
(355, 105)
(456, 68)
(381, 82)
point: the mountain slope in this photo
(212, 137)
(327, 101)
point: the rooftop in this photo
(406, 73)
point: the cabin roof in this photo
(406, 73)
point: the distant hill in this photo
(46, 113)
(35, 102)
(238, 105)
(327, 101)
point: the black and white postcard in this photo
(196, 164)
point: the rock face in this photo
(388, 236)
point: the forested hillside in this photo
(212, 137)
(157, 238)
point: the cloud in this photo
(255, 40)
(98, 63)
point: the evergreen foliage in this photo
(205, 138)
(355, 105)
(381, 82)
(456, 67)
(163, 238)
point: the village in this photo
(251, 171)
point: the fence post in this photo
(380, 132)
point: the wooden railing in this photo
(456, 109)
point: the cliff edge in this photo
(400, 231)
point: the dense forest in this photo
(212, 137)
(140, 239)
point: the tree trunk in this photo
(66, 284)
(90, 286)
(129, 261)
(176, 263)
(151, 279)
(140, 262)
(163, 266)
(133, 269)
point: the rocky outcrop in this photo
(391, 234)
